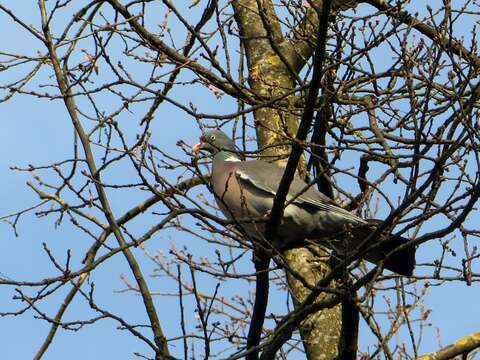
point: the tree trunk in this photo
(320, 332)
(273, 64)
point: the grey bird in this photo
(246, 190)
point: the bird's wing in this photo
(266, 176)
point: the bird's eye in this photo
(212, 138)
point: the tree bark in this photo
(273, 64)
(321, 332)
(462, 347)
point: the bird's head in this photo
(214, 141)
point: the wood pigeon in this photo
(246, 190)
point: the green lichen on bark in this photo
(270, 76)
(321, 331)
(463, 346)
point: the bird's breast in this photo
(227, 190)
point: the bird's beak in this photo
(196, 148)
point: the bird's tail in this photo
(402, 261)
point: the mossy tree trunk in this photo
(274, 63)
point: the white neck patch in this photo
(232, 157)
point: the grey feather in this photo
(245, 190)
(267, 176)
